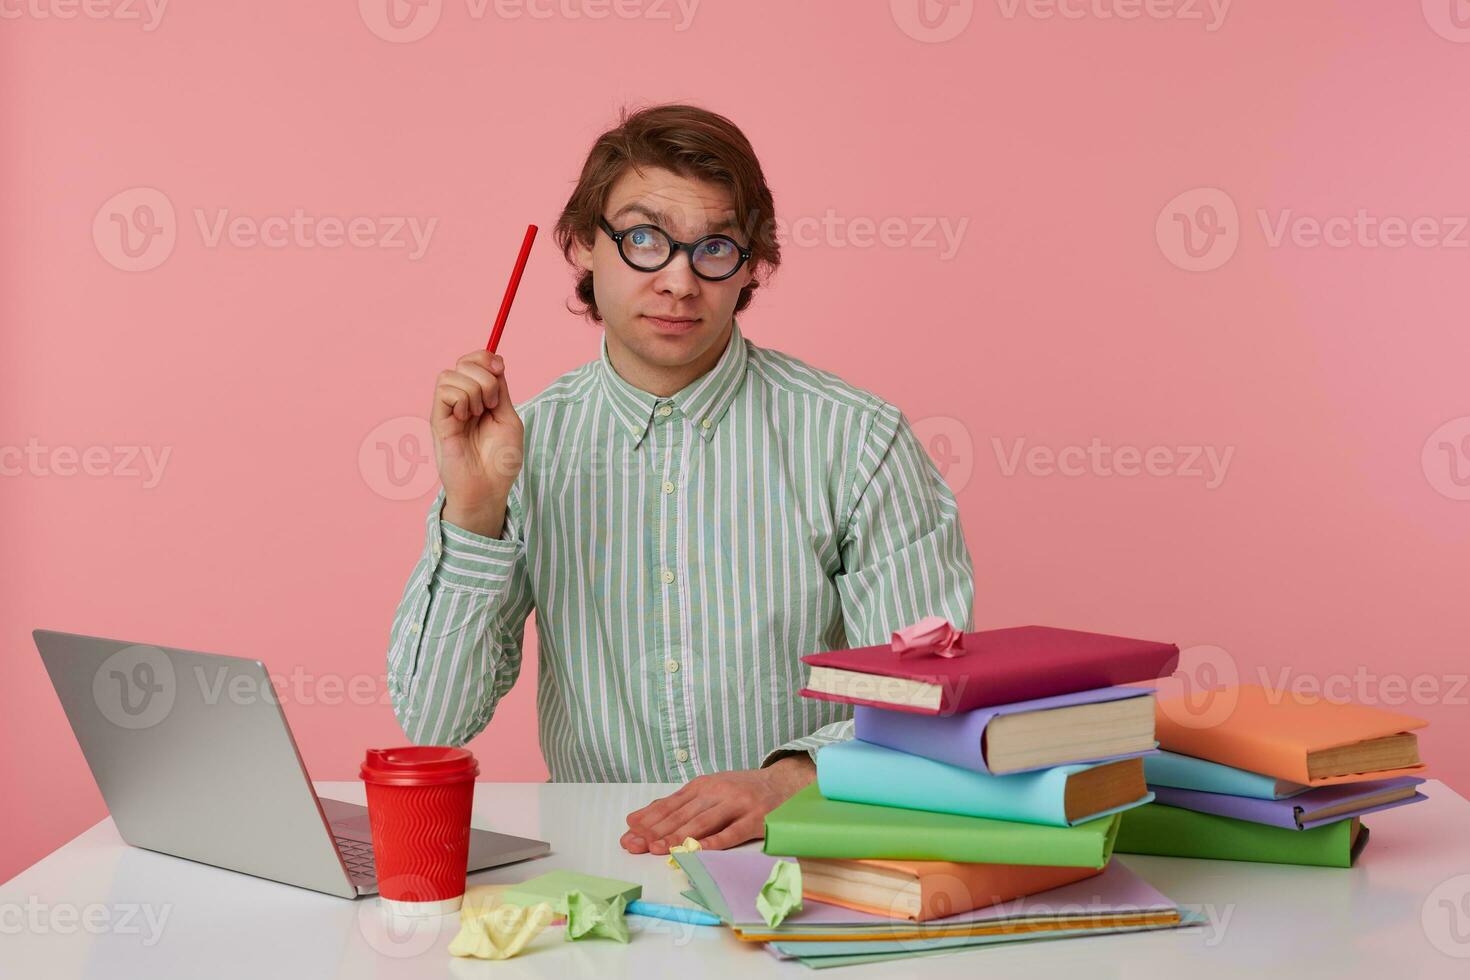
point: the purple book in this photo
(1301, 812)
(959, 739)
(739, 875)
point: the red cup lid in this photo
(419, 765)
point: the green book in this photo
(1173, 831)
(809, 825)
(552, 885)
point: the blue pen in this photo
(673, 913)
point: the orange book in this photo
(1307, 740)
(924, 890)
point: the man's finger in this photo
(742, 830)
(659, 807)
(677, 818)
(705, 823)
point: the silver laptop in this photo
(194, 757)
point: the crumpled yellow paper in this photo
(498, 932)
(690, 844)
(781, 894)
(586, 916)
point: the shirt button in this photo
(671, 665)
(668, 487)
(681, 756)
(436, 547)
(665, 410)
(668, 577)
(705, 424)
(414, 628)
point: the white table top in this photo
(98, 908)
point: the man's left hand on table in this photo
(720, 809)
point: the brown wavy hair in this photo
(688, 141)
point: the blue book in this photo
(1063, 796)
(1186, 772)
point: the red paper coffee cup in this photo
(419, 799)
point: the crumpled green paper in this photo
(781, 894)
(498, 932)
(689, 845)
(586, 916)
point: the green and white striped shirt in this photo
(681, 555)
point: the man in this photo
(687, 515)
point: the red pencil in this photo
(510, 290)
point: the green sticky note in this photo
(555, 885)
(587, 916)
(781, 894)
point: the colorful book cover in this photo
(1294, 813)
(1272, 732)
(809, 825)
(1163, 768)
(860, 772)
(1020, 663)
(959, 739)
(1175, 832)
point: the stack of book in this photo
(978, 776)
(1276, 777)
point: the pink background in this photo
(1336, 542)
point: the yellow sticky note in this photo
(498, 932)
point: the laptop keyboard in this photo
(358, 856)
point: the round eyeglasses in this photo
(648, 248)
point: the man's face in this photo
(669, 318)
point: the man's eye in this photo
(718, 246)
(640, 238)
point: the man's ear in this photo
(582, 254)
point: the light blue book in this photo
(861, 772)
(1186, 772)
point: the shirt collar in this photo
(703, 401)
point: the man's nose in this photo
(677, 280)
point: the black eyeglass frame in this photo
(675, 247)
